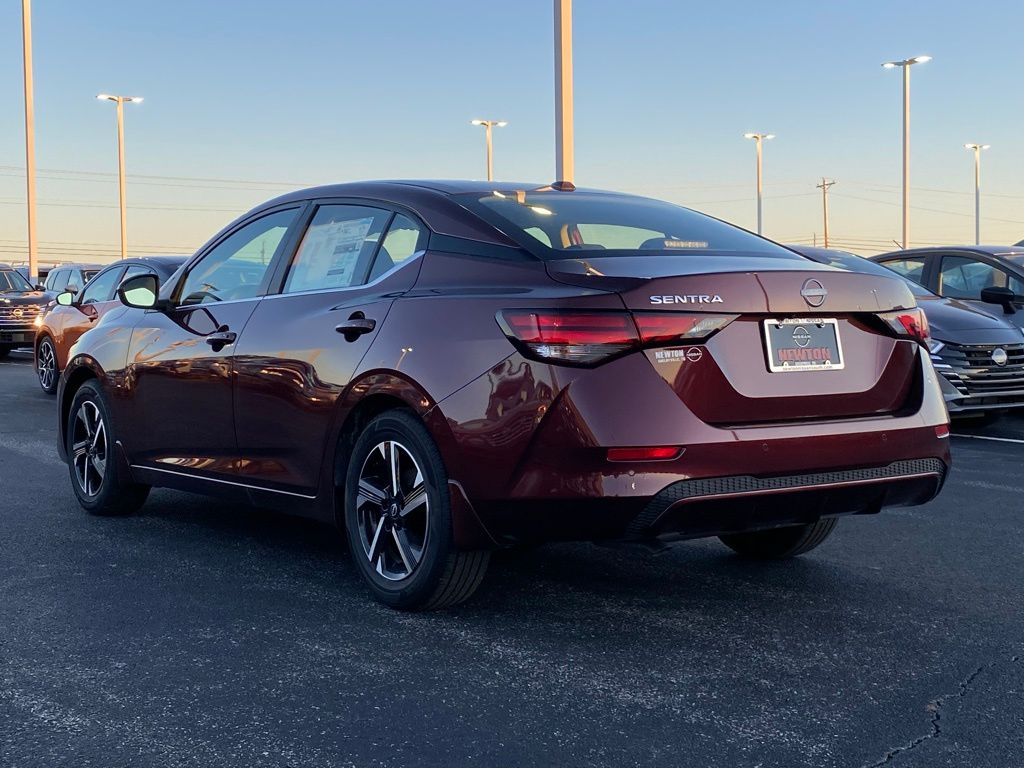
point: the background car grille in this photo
(28, 312)
(971, 370)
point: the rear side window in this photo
(912, 269)
(136, 269)
(404, 238)
(58, 280)
(555, 224)
(337, 249)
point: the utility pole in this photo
(30, 142)
(564, 151)
(824, 186)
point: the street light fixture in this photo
(906, 64)
(489, 126)
(976, 148)
(759, 139)
(120, 101)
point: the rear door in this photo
(303, 344)
(916, 267)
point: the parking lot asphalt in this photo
(204, 634)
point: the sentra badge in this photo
(690, 298)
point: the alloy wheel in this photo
(47, 365)
(89, 448)
(393, 510)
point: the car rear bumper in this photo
(714, 506)
(561, 484)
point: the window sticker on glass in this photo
(330, 254)
(686, 244)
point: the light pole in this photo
(489, 126)
(906, 64)
(565, 154)
(759, 139)
(30, 142)
(120, 101)
(977, 188)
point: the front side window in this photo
(235, 268)
(964, 278)
(556, 224)
(404, 238)
(337, 248)
(102, 287)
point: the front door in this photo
(303, 344)
(98, 297)
(964, 277)
(179, 373)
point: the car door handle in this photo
(355, 326)
(221, 339)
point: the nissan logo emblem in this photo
(814, 292)
(801, 337)
(999, 356)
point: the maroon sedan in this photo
(446, 368)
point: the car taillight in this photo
(582, 337)
(670, 327)
(576, 337)
(908, 322)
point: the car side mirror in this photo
(65, 298)
(140, 292)
(1002, 296)
(40, 287)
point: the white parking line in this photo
(995, 439)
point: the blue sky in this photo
(288, 94)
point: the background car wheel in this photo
(398, 518)
(96, 476)
(46, 365)
(779, 543)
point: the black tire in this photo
(47, 369)
(780, 543)
(402, 543)
(5, 351)
(96, 474)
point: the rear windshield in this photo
(560, 225)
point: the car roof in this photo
(985, 250)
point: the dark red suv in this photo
(446, 368)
